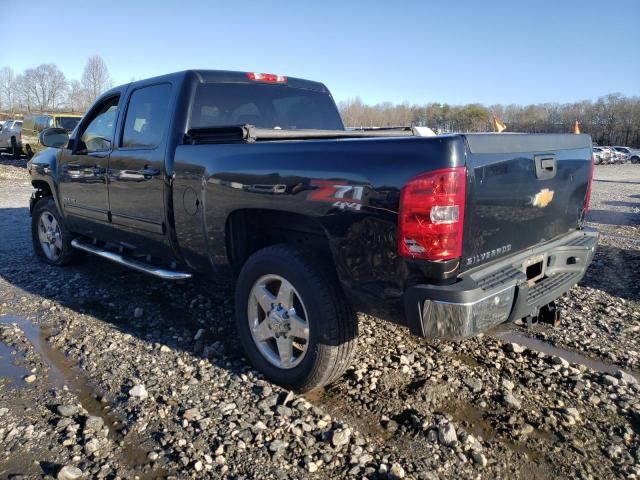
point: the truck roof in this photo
(227, 76)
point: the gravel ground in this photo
(106, 373)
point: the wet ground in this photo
(511, 334)
(157, 386)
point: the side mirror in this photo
(54, 137)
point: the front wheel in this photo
(50, 236)
(293, 321)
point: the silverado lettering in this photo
(487, 255)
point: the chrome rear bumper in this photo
(500, 291)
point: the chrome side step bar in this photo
(129, 262)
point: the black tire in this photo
(635, 159)
(333, 326)
(68, 254)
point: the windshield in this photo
(265, 106)
(68, 123)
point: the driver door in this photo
(83, 169)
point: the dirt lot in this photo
(112, 374)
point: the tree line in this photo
(45, 88)
(610, 120)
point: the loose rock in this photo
(69, 472)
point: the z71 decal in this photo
(339, 194)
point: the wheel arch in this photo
(42, 189)
(251, 229)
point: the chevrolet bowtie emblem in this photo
(543, 198)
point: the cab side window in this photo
(147, 117)
(97, 135)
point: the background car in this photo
(35, 123)
(598, 155)
(11, 128)
(606, 155)
(632, 154)
(616, 157)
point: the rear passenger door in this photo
(136, 166)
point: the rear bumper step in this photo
(500, 291)
(129, 262)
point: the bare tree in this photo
(77, 98)
(95, 77)
(7, 89)
(44, 85)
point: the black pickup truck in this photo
(254, 176)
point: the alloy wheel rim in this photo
(278, 321)
(50, 236)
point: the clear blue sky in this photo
(415, 51)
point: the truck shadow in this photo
(612, 217)
(195, 316)
(619, 203)
(616, 181)
(8, 159)
(614, 270)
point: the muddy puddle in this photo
(506, 333)
(10, 369)
(63, 374)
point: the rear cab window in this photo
(263, 106)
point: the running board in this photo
(129, 262)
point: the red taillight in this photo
(266, 77)
(587, 197)
(431, 215)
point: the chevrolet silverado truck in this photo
(218, 175)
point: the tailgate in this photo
(523, 190)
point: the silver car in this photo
(600, 156)
(616, 157)
(11, 128)
(629, 154)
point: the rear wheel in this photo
(50, 236)
(293, 321)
